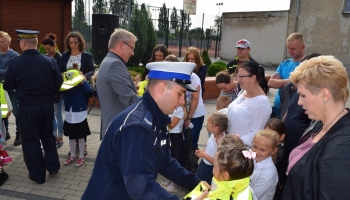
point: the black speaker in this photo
(103, 26)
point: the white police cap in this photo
(179, 72)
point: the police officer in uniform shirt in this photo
(36, 79)
(136, 145)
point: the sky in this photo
(210, 9)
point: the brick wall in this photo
(211, 90)
(42, 15)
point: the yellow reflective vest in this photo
(71, 78)
(4, 107)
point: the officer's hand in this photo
(8, 114)
(203, 195)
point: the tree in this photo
(151, 36)
(163, 14)
(138, 26)
(79, 21)
(217, 21)
(100, 7)
(196, 33)
(120, 8)
(174, 19)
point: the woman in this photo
(158, 55)
(193, 55)
(75, 45)
(251, 109)
(49, 45)
(318, 167)
(227, 85)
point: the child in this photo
(217, 125)
(142, 87)
(75, 125)
(177, 141)
(6, 109)
(277, 125)
(233, 164)
(222, 104)
(265, 177)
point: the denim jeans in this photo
(195, 131)
(58, 119)
(14, 103)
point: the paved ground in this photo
(72, 181)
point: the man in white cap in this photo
(243, 50)
(136, 145)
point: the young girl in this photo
(264, 178)
(75, 125)
(177, 141)
(281, 156)
(217, 125)
(233, 164)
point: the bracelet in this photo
(188, 118)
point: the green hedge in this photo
(216, 67)
(138, 69)
(205, 58)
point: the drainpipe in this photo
(296, 16)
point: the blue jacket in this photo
(4, 60)
(86, 65)
(132, 153)
(76, 97)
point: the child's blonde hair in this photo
(230, 158)
(219, 120)
(223, 101)
(272, 136)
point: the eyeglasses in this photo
(133, 48)
(242, 76)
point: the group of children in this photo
(227, 164)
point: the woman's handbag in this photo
(191, 158)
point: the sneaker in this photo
(59, 144)
(69, 160)
(172, 188)
(8, 136)
(80, 162)
(18, 141)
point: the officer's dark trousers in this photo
(35, 124)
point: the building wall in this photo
(266, 32)
(325, 29)
(42, 15)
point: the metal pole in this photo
(202, 31)
(181, 30)
(216, 43)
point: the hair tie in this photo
(249, 154)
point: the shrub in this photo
(216, 67)
(42, 50)
(140, 69)
(205, 58)
(151, 36)
(133, 74)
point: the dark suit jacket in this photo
(323, 172)
(86, 65)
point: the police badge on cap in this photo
(179, 72)
(26, 34)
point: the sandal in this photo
(69, 160)
(80, 162)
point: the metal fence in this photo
(174, 28)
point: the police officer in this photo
(36, 79)
(136, 145)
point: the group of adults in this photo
(311, 97)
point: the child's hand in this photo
(237, 135)
(199, 153)
(203, 195)
(8, 114)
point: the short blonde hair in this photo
(223, 101)
(323, 72)
(295, 36)
(5, 35)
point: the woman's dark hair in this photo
(255, 69)
(50, 40)
(80, 39)
(223, 77)
(276, 125)
(160, 47)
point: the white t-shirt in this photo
(246, 116)
(179, 113)
(200, 111)
(211, 148)
(223, 111)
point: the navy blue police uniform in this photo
(132, 153)
(36, 79)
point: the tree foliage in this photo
(79, 21)
(120, 8)
(205, 58)
(138, 26)
(100, 7)
(163, 14)
(174, 19)
(151, 35)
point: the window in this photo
(347, 6)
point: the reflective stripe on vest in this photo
(4, 107)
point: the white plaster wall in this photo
(266, 32)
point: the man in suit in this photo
(115, 87)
